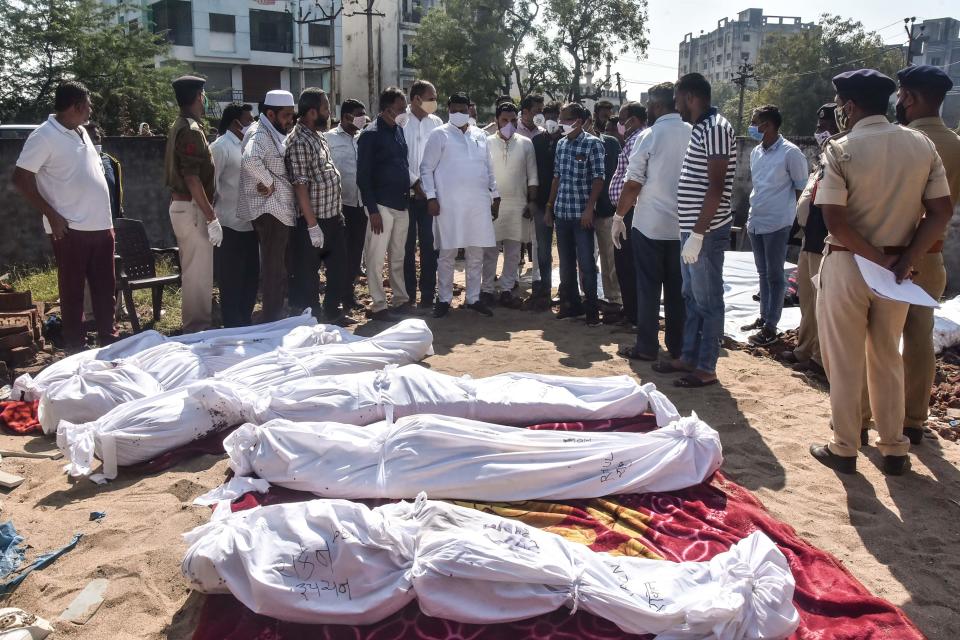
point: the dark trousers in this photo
(85, 257)
(626, 273)
(237, 261)
(356, 229)
(273, 237)
(305, 265)
(544, 255)
(575, 246)
(421, 228)
(657, 267)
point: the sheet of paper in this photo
(884, 283)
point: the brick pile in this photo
(21, 336)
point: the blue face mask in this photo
(754, 132)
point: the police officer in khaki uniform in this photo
(877, 181)
(190, 178)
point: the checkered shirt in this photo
(620, 175)
(309, 161)
(578, 163)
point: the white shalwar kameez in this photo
(515, 169)
(456, 171)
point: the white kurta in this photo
(515, 168)
(456, 170)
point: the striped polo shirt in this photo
(711, 136)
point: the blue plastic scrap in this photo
(13, 556)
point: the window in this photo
(407, 52)
(223, 23)
(219, 85)
(174, 18)
(318, 35)
(746, 37)
(936, 62)
(271, 31)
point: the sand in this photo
(899, 536)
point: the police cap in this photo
(925, 76)
(868, 83)
(826, 112)
(188, 82)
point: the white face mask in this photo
(551, 126)
(99, 148)
(430, 106)
(401, 119)
(821, 137)
(459, 119)
(539, 120)
(359, 121)
(507, 131)
(567, 128)
(244, 130)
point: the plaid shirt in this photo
(309, 161)
(578, 163)
(620, 175)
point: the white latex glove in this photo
(618, 231)
(316, 236)
(691, 248)
(215, 232)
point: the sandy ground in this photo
(899, 536)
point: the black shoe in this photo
(593, 319)
(753, 326)
(340, 320)
(555, 302)
(765, 336)
(914, 433)
(864, 437)
(895, 465)
(537, 302)
(488, 299)
(440, 309)
(385, 315)
(404, 310)
(480, 308)
(827, 458)
(569, 312)
(508, 300)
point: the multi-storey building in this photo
(717, 55)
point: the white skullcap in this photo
(279, 98)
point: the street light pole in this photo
(911, 37)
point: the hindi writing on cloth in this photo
(464, 459)
(339, 562)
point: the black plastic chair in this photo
(136, 268)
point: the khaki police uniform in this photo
(880, 173)
(808, 265)
(188, 154)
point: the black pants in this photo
(421, 229)
(626, 273)
(238, 275)
(657, 263)
(306, 260)
(356, 230)
(274, 238)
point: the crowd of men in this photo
(646, 190)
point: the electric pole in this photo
(619, 89)
(369, 13)
(744, 75)
(912, 37)
(323, 16)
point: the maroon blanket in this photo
(693, 524)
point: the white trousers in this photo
(389, 244)
(511, 266)
(196, 265)
(474, 273)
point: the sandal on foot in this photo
(693, 382)
(665, 366)
(631, 353)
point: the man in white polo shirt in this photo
(60, 173)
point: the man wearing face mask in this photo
(515, 169)
(779, 171)
(545, 149)
(878, 180)
(418, 123)
(806, 357)
(317, 188)
(578, 179)
(462, 197)
(531, 116)
(343, 147)
(238, 257)
(267, 200)
(383, 176)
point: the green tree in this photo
(795, 71)
(43, 43)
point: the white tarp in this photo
(144, 428)
(339, 562)
(30, 388)
(740, 284)
(509, 398)
(469, 460)
(946, 325)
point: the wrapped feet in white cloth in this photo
(338, 562)
(469, 460)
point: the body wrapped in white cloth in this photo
(469, 460)
(338, 562)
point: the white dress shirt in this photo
(226, 164)
(343, 148)
(416, 132)
(655, 163)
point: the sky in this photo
(670, 20)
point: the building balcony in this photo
(412, 17)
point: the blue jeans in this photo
(657, 264)
(770, 252)
(421, 228)
(575, 246)
(703, 300)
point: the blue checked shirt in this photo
(578, 163)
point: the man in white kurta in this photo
(515, 169)
(462, 197)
